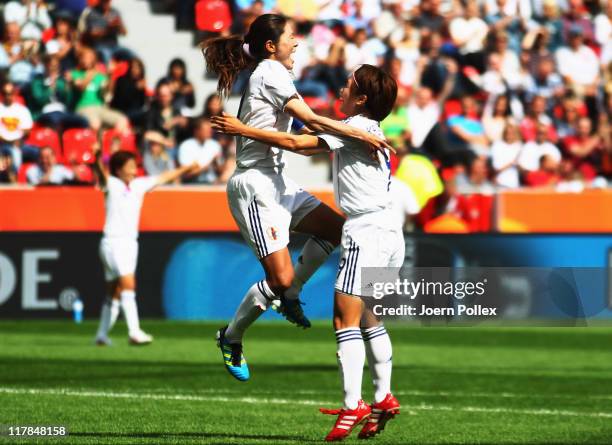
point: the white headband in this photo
(245, 48)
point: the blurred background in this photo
(502, 130)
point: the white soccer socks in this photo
(313, 255)
(351, 358)
(254, 303)
(130, 311)
(108, 317)
(379, 353)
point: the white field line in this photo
(279, 401)
(417, 393)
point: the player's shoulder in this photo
(271, 71)
(364, 123)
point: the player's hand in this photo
(227, 124)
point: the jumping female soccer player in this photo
(124, 194)
(265, 203)
(371, 237)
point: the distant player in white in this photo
(266, 204)
(371, 237)
(124, 193)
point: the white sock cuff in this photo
(128, 295)
(265, 290)
(326, 246)
(371, 333)
(348, 334)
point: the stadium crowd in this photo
(497, 93)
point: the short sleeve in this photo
(334, 142)
(26, 119)
(143, 185)
(279, 88)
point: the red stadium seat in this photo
(213, 15)
(127, 141)
(21, 173)
(46, 137)
(78, 144)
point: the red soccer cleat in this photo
(347, 420)
(382, 412)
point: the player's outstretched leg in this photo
(235, 362)
(313, 255)
(385, 406)
(137, 337)
(229, 339)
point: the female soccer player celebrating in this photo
(264, 202)
(124, 194)
(371, 237)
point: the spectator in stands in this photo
(204, 150)
(547, 27)
(578, 64)
(103, 26)
(546, 174)
(466, 130)
(566, 123)
(91, 86)
(545, 83)
(213, 106)
(164, 117)
(130, 93)
(494, 117)
(477, 180)
(7, 173)
(156, 159)
(534, 150)
(32, 17)
(468, 34)
(51, 97)
(75, 7)
(15, 124)
(584, 149)
(537, 113)
(424, 111)
(603, 25)
(429, 20)
(182, 89)
(576, 21)
(356, 52)
(507, 23)
(405, 45)
(63, 43)
(505, 156)
(48, 171)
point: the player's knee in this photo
(280, 282)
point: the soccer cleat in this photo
(347, 420)
(103, 341)
(382, 412)
(233, 359)
(291, 309)
(140, 338)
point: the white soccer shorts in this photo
(266, 206)
(366, 244)
(119, 257)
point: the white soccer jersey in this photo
(262, 106)
(361, 184)
(123, 204)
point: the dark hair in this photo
(180, 63)
(118, 160)
(225, 56)
(140, 63)
(379, 87)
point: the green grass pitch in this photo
(457, 385)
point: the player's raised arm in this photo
(172, 175)
(99, 168)
(300, 110)
(304, 144)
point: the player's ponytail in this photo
(227, 56)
